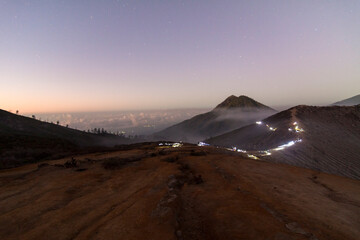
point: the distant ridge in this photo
(355, 100)
(232, 113)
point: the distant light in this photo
(233, 149)
(267, 153)
(240, 150)
(297, 129)
(201, 144)
(259, 122)
(290, 144)
(272, 129)
(252, 156)
(290, 129)
(177, 145)
(279, 148)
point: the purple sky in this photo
(123, 55)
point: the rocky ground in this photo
(148, 192)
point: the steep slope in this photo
(355, 100)
(328, 139)
(148, 192)
(24, 139)
(232, 113)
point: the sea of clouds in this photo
(128, 122)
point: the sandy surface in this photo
(163, 196)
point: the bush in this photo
(198, 179)
(163, 153)
(200, 153)
(171, 159)
(71, 163)
(116, 162)
(41, 165)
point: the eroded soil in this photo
(175, 193)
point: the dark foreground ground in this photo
(175, 193)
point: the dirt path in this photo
(293, 115)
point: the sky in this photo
(64, 56)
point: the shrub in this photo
(171, 159)
(117, 162)
(200, 153)
(71, 163)
(41, 165)
(163, 153)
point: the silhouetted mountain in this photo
(243, 102)
(355, 100)
(330, 141)
(23, 139)
(232, 113)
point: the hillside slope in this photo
(24, 139)
(232, 113)
(329, 143)
(147, 192)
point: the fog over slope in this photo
(232, 113)
(128, 122)
(330, 141)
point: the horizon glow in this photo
(68, 56)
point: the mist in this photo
(243, 115)
(211, 124)
(125, 122)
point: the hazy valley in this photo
(126, 122)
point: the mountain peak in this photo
(242, 101)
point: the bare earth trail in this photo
(176, 193)
(293, 115)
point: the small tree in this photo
(57, 122)
(17, 111)
(33, 116)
